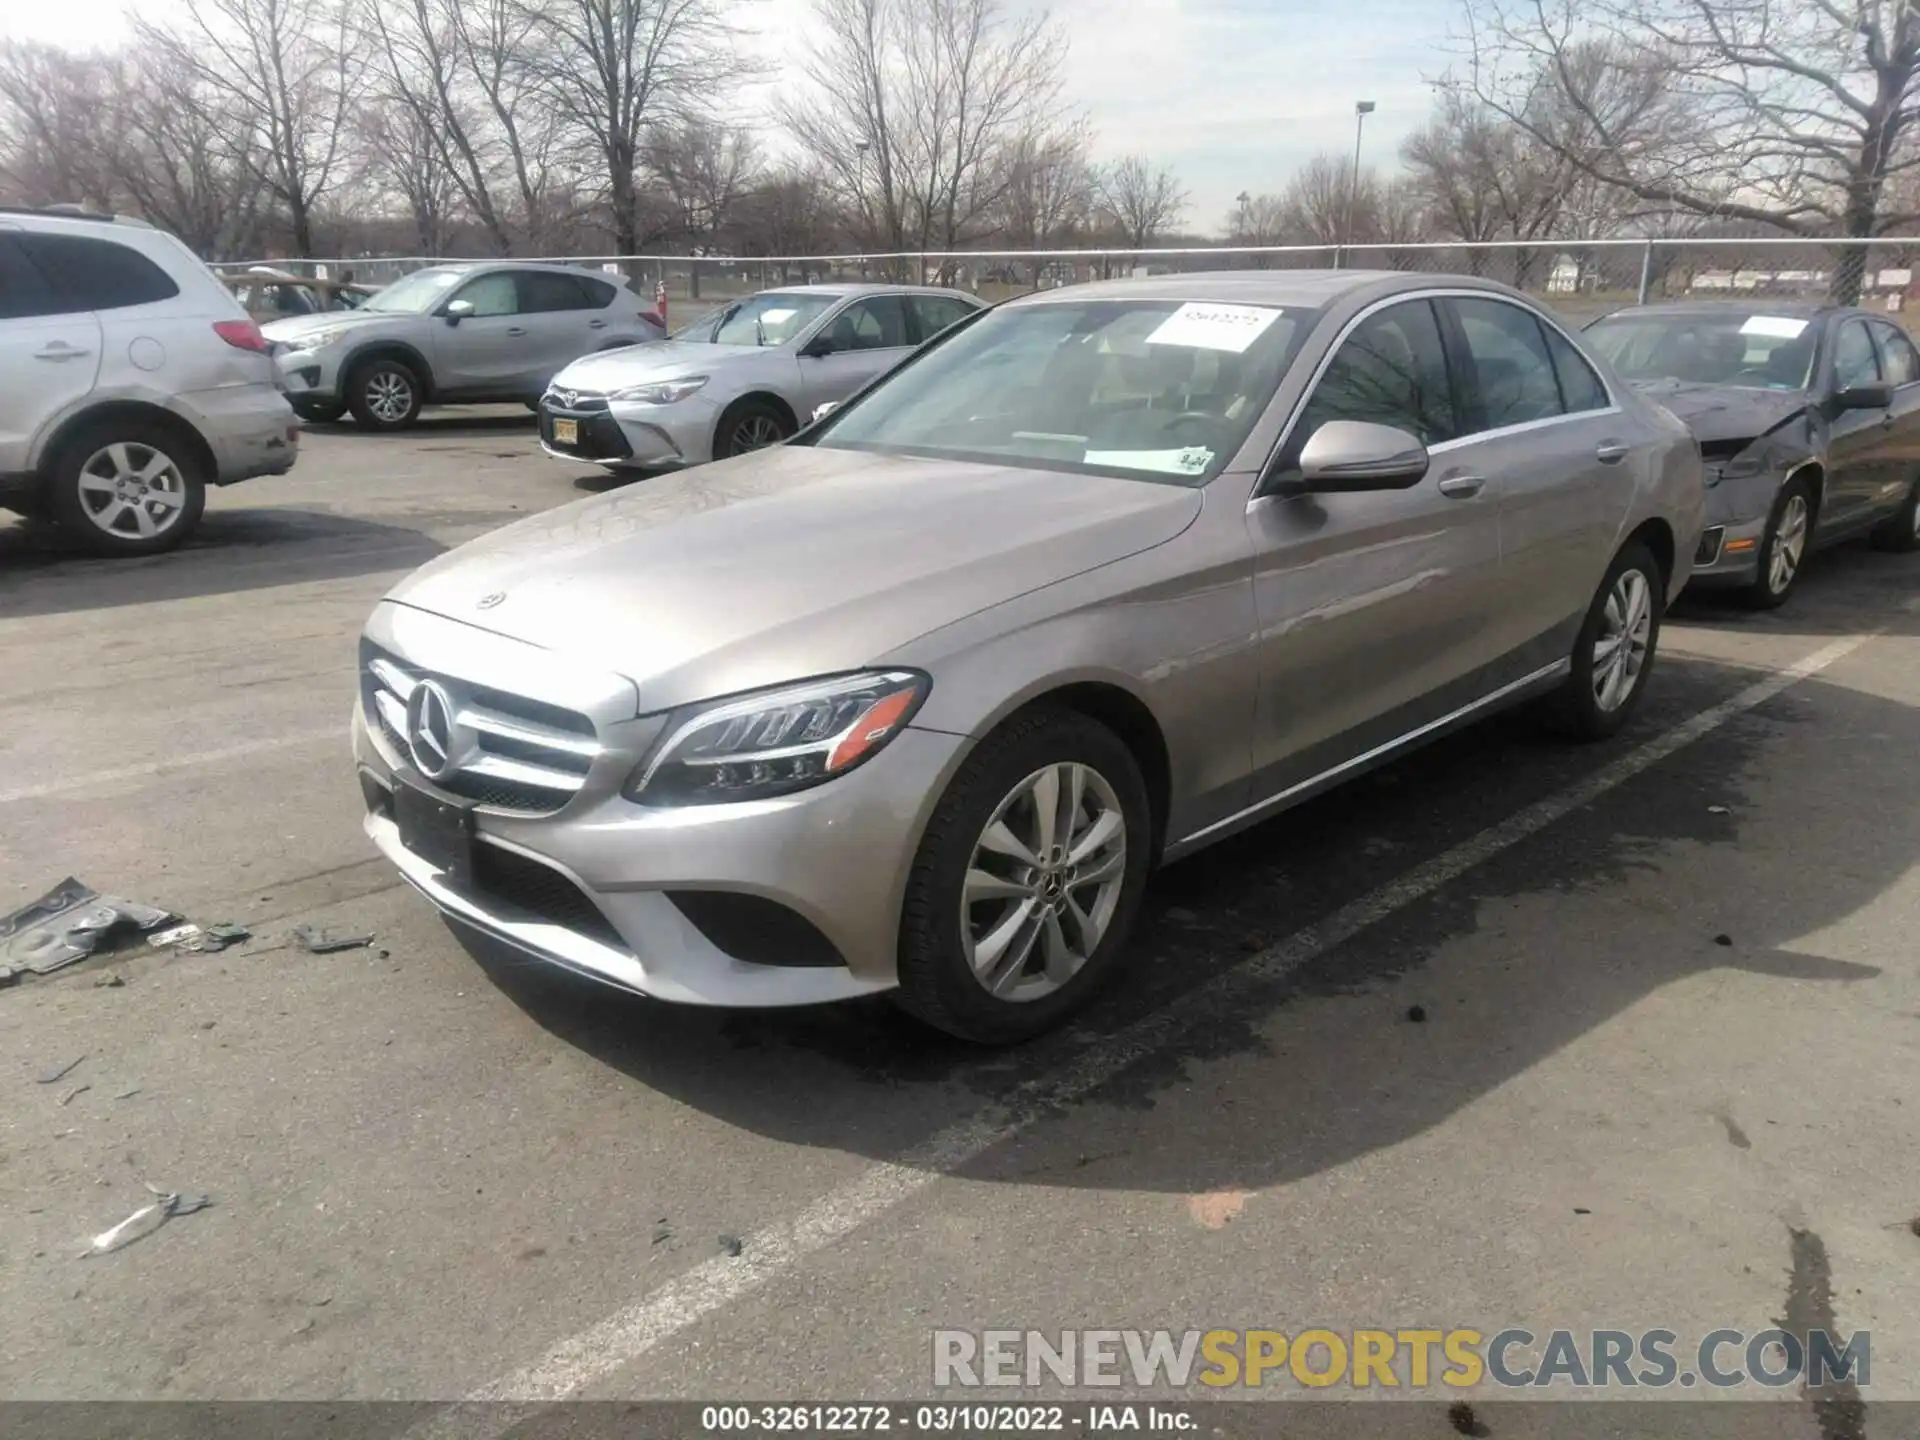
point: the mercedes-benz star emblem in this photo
(487, 602)
(430, 730)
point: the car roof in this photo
(1787, 309)
(841, 288)
(1307, 288)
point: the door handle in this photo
(60, 350)
(1462, 487)
(516, 330)
(1610, 452)
(596, 324)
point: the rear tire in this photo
(1900, 531)
(1783, 547)
(127, 488)
(1012, 923)
(749, 425)
(384, 394)
(1613, 654)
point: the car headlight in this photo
(660, 392)
(318, 340)
(773, 742)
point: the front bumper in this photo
(623, 434)
(308, 374)
(1737, 512)
(250, 429)
(836, 856)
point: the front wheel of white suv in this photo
(127, 488)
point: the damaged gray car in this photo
(1808, 419)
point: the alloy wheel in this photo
(132, 490)
(1789, 545)
(756, 432)
(389, 396)
(1044, 882)
(1620, 649)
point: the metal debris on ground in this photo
(174, 934)
(68, 923)
(54, 1077)
(730, 1244)
(74, 1094)
(1718, 810)
(112, 980)
(317, 940)
(202, 939)
(144, 1221)
(128, 1094)
(661, 1234)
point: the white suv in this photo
(130, 380)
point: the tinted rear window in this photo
(91, 274)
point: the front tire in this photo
(384, 395)
(749, 425)
(1027, 881)
(127, 489)
(1783, 546)
(1613, 654)
(1900, 531)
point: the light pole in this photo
(1361, 109)
(860, 148)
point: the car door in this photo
(1859, 442)
(488, 352)
(49, 354)
(1545, 436)
(1900, 363)
(858, 342)
(563, 322)
(1373, 607)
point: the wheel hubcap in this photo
(389, 396)
(1620, 650)
(1044, 882)
(756, 433)
(132, 490)
(1789, 544)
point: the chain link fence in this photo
(1578, 278)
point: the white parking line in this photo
(604, 1348)
(336, 733)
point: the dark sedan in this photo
(1808, 418)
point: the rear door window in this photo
(24, 293)
(86, 273)
(936, 312)
(1512, 371)
(542, 292)
(1580, 388)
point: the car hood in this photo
(652, 360)
(1725, 412)
(792, 562)
(298, 327)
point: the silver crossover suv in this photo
(454, 334)
(916, 701)
(748, 376)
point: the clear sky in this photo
(1233, 94)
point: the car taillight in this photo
(242, 335)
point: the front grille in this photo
(541, 892)
(1709, 549)
(574, 402)
(600, 435)
(511, 752)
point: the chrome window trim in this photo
(1613, 406)
(1385, 748)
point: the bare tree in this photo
(408, 152)
(1322, 205)
(287, 70)
(54, 132)
(917, 107)
(789, 212)
(1049, 188)
(614, 70)
(705, 170)
(1791, 114)
(1143, 199)
(184, 160)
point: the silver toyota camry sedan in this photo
(915, 701)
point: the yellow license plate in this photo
(566, 432)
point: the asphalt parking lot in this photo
(1668, 1072)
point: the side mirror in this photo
(1351, 455)
(820, 412)
(457, 310)
(1863, 397)
(821, 344)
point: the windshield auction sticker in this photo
(1783, 327)
(1214, 327)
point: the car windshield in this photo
(1746, 349)
(771, 319)
(416, 294)
(1158, 389)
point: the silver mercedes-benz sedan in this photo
(747, 376)
(915, 701)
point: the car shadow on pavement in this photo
(1842, 591)
(1359, 1075)
(437, 423)
(233, 550)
